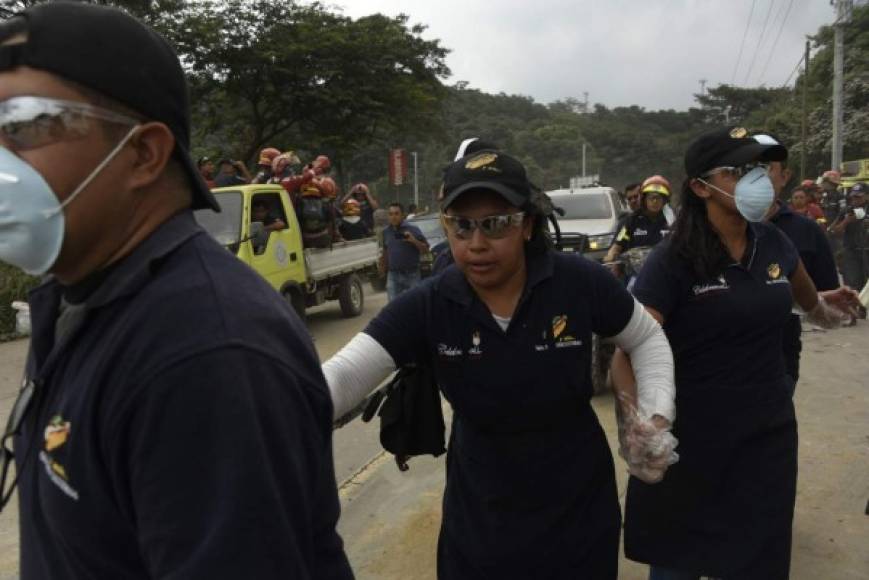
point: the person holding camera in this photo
(403, 244)
(851, 224)
(229, 174)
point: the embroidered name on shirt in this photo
(449, 351)
(700, 289)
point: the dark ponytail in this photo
(539, 210)
(695, 240)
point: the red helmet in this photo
(656, 184)
(327, 186)
(359, 188)
(267, 155)
(322, 163)
(832, 176)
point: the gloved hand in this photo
(646, 445)
(826, 316)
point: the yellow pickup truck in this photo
(304, 276)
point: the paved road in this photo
(390, 519)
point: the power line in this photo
(742, 44)
(784, 84)
(759, 41)
(775, 43)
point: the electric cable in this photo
(759, 42)
(742, 44)
(775, 43)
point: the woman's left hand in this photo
(843, 298)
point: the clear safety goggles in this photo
(493, 226)
(735, 173)
(28, 122)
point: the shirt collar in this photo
(455, 286)
(131, 273)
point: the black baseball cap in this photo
(859, 188)
(112, 53)
(488, 169)
(729, 147)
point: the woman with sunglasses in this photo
(530, 489)
(722, 285)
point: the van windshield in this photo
(584, 206)
(225, 227)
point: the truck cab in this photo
(305, 277)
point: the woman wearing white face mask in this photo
(722, 286)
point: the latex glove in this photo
(827, 316)
(843, 298)
(646, 445)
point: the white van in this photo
(593, 212)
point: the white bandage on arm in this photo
(644, 341)
(355, 371)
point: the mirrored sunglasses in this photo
(28, 122)
(493, 226)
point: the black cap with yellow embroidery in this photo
(728, 147)
(489, 170)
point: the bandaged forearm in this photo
(644, 341)
(355, 372)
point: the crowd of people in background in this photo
(838, 210)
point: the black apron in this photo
(538, 505)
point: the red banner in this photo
(397, 167)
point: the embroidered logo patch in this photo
(56, 436)
(481, 160)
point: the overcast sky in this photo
(650, 53)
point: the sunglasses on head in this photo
(493, 226)
(28, 122)
(735, 172)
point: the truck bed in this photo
(341, 258)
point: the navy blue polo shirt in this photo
(402, 255)
(812, 246)
(521, 376)
(724, 331)
(530, 483)
(182, 430)
(642, 231)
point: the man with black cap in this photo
(173, 421)
(811, 244)
(853, 226)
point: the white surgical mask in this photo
(32, 223)
(754, 194)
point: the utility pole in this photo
(583, 159)
(805, 120)
(702, 87)
(415, 182)
(843, 9)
